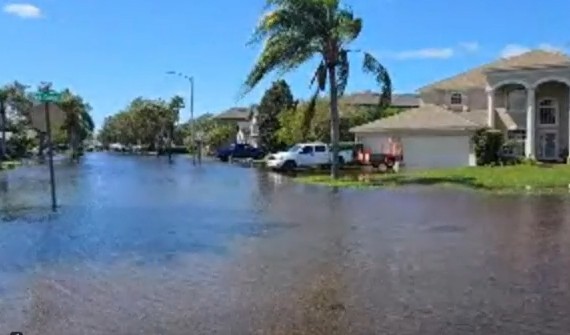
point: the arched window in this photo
(548, 112)
(456, 98)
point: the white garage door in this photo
(436, 151)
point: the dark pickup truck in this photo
(239, 151)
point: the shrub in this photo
(488, 146)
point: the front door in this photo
(547, 144)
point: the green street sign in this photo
(49, 96)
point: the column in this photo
(490, 107)
(530, 147)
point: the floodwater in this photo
(143, 247)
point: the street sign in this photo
(48, 96)
(38, 117)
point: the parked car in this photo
(237, 150)
(315, 154)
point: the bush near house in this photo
(488, 146)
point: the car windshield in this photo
(295, 148)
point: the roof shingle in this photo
(235, 114)
(477, 77)
(369, 98)
(426, 117)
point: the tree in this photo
(216, 133)
(3, 122)
(147, 122)
(175, 104)
(294, 32)
(14, 100)
(78, 123)
(276, 99)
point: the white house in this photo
(245, 119)
(526, 97)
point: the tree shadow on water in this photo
(399, 180)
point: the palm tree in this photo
(78, 122)
(3, 104)
(175, 104)
(296, 31)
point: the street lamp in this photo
(191, 80)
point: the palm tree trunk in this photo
(335, 121)
(3, 116)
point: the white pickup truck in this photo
(307, 155)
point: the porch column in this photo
(490, 107)
(530, 147)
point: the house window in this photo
(515, 143)
(456, 98)
(548, 112)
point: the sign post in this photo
(47, 96)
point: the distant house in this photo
(369, 98)
(245, 118)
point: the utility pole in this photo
(192, 125)
(191, 79)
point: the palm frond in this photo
(305, 17)
(281, 52)
(320, 77)
(342, 72)
(372, 66)
(347, 26)
(309, 115)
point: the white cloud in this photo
(427, 53)
(435, 53)
(550, 47)
(469, 46)
(23, 10)
(511, 50)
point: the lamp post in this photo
(191, 80)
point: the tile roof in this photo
(477, 76)
(426, 117)
(235, 114)
(372, 98)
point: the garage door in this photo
(436, 151)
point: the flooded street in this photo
(143, 247)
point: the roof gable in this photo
(235, 114)
(477, 76)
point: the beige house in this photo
(245, 119)
(526, 97)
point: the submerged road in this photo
(143, 247)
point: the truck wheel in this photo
(289, 166)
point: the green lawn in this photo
(509, 178)
(9, 165)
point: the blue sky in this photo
(113, 51)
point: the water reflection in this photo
(144, 246)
